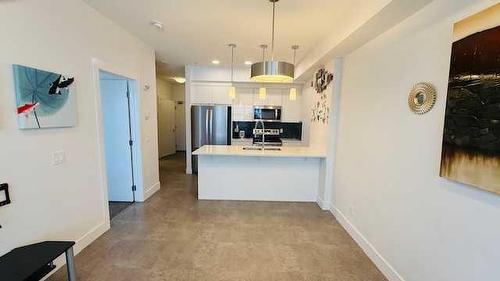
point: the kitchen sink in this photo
(252, 148)
(260, 148)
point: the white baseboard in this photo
(90, 237)
(151, 190)
(324, 205)
(80, 244)
(390, 273)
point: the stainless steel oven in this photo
(267, 113)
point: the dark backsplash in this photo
(290, 130)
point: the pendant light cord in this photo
(232, 62)
(294, 48)
(272, 37)
(232, 46)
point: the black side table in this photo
(35, 261)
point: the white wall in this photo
(164, 90)
(387, 188)
(65, 202)
(315, 133)
(178, 92)
(320, 135)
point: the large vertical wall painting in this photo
(44, 99)
(471, 138)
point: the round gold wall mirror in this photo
(422, 98)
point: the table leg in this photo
(70, 265)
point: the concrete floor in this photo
(173, 236)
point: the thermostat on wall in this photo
(4, 194)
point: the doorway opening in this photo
(171, 133)
(118, 107)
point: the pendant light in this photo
(232, 89)
(271, 70)
(262, 90)
(293, 91)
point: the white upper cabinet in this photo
(220, 95)
(292, 110)
(246, 98)
(273, 97)
(243, 104)
(210, 94)
(201, 94)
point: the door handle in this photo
(206, 126)
(211, 125)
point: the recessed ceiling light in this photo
(216, 62)
(248, 62)
(157, 24)
(180, 80)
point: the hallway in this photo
(173, 236)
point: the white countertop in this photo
(236, 150)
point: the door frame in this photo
(135, 113)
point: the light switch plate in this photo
(58, 158)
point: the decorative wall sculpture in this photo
(471, 138)
(422, 98)
(321, 109)
(44, 99)
(322, 80)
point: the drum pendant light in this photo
(232, 90)
(271, 70)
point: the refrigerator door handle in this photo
(207, 130)
(211, 124)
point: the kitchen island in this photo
(249, 173)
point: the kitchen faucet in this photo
(263, 131)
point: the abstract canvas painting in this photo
(43, 99)
(471, 138)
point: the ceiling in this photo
(198, 31)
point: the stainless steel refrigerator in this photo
(210, 125)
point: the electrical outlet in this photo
(352, 211)
(58, 158)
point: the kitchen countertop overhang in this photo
(235, 150)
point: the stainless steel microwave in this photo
(267, 113)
